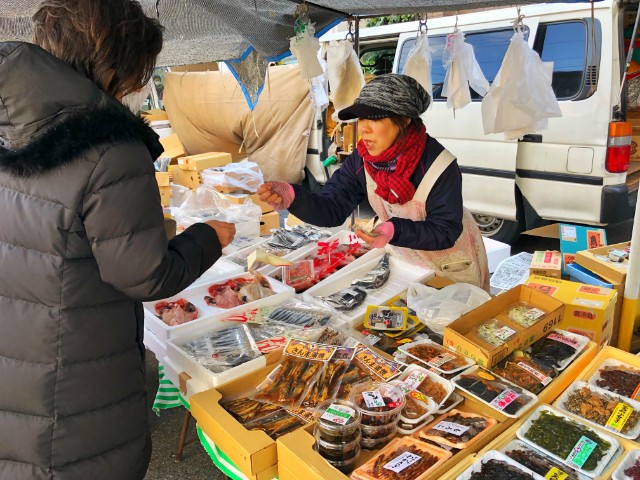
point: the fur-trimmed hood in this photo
(50, 114)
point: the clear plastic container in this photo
(417, 405)
(495, 333)
(457, 429)
(436, 356)
(386, 318)
(345, 466)
(429, 383)
(300, 275)
(376, 443)
(338, 421)
(378, 403)
(524, 314)
(338, 452)
(374, 433)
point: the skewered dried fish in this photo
(377, 277)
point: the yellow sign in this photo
(556, 474)
(310, 350)
(619, 417)
(380, 367)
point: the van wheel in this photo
(499, 229)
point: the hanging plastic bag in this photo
(521, 99)
(304, 47)
(463, 72)
(245, 176)
(440, 308)
(418, 63)
(345, 74)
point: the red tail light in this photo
(618, 147)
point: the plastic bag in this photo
(245, 176)
(441, 307)
(463, 72)
(521, 99)
(345, 74)
(304, 47)
(418, 63)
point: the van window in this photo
(378, 61)
(489, 47)
(564, 44)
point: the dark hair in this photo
(400, 121)
(112, 42)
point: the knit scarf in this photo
(394, 184)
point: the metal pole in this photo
(356, 47)
(629, 314)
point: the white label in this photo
(441, 360)
(504, 333)
(373, 399)
(450, 427)
(402, 461)
(533, 314)
(415, 378)
(338, 414)
(569, 233)
(373, 339)
(544, 380)
(588, 303)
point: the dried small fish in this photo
(597, 407)
(377, 277)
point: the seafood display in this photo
(378, 403)
(328, 383)
(356, 373)
(498, 470)
(525, 372)
(277, 424)
(495, 333)
(238, 291)
(386, 318)
(524, 315)
(457, 429)
(299, 236)
(621, 379)
(346, 300)
(557, 349)
(377, 277)
(246, 410)
(436, 356)
(559, 435)
(177, 312)
(536, 461)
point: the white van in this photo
(564, 173)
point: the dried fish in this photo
(378, 469)
(246, 410)
(377, 277)
(277, 424)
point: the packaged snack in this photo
(404, 459)
(494, 465)
(524, 371)
(426, 382)
(558, 349)
(333, 335)
(538, 462)
(367, 366)
(288, 384)
(378, 403)
(629, 467)
(457, 429)
(386, 318)
(500, 395)
(377, 277)
(346, 300)
(328, 383)
(495, 333)
(604, 409)
(618, 377)
(246, 410)
(276, 424)
(568, 441)
(414, 326)
(436, 356)
(524, 314)
(338, 421)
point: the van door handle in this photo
(532, 138)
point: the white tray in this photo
(402, 274)
(448, 386)
(577, 385)
(516, 444)
(207, 314)
(154, 344)
(628, 461)
(610, 362)
(185, 363)
(221, 269)
(602, 465)
(580, 341)
(406, 346)
(172, 373)
(495, 455)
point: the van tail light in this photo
(618, 147)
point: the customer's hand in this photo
(279, 195)
(225, 231)
(379, 236)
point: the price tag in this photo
(338, 414)
(569, 233)
(533, 314)
(581, 451)
(450, 427)
(558, 337)
(544, 380)
(504, 333)
(619, 417)
(556, 474)
(506, 398)
(441, 360)
(402, 461)
(373, 399)
(414, 379)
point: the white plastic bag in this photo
(463, 72)
(441, 307)
(345, 74)
(521, 99)
(418, 63)
(243, 175)
(304, 47)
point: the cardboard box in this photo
(547, 263)
(173, 147)
(165, 196)
(239, 198)
(186, 178)
(269, 222)
(203, 161)
(163, 179)
(589, 309)
(462, 337)
(574, 238)
(155, 115)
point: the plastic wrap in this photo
(494, 465)
(246, 410)
(241, 176)
(537, 462)
(436, 356)
(457, 429)
(328, 383)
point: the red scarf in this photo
(396, 186)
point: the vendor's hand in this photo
(279, 195)
(225, 231)
(379, 237)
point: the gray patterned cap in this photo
(388, 95)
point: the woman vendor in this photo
(412, 182)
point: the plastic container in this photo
(495, 333)
(386, 318)
(338, 421)
(525, 372)
(544, 350)
(436, 356)
(626, 410)
(418, 378)
(376, 443)
(499, 394)
(408, 428)
(523, 314)
(457, 429)
(338, 452)
(627, 385)
(299, 271)
(375, 433)
(577, 273)
(544, 464)
(494, 455)
(630, 459)
(378, 403)
(345, 466)
(453, 401)
(417, 405)
(608, 451)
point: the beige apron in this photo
(466, 261)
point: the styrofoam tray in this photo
(578, 385)
(405, 347)
(418, 370)
(580, 341)
(185, 363)
(604, 461)
(611, 362)
(402, 274)
(516, 444)
(457, 400)
(431, 405)
(152, 342)
(172, 373)
(196, 294)
(495, 455)
(221, 269)
(628, 461)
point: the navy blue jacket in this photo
(347, 188)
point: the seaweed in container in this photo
(620, 379)
(525, 372)
(499, 470)
(377, 277)
(346, 300)
(554, 349)
(538, 462)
